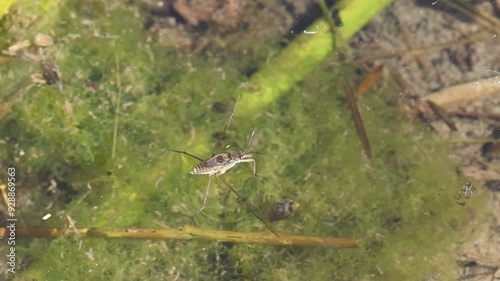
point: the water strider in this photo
(218, 164)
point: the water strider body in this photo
(221, 163)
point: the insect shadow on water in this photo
(218, 164)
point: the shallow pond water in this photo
(93, 154)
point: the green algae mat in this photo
(90, 151)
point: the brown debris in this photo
(43, 40)
(221, 12)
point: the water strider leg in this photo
(253, 164)
(204, 203)
(251, 160)
(225, 128)
(187, 153)
(250, 141)
(244, 201)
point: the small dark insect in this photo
(51, 73)
(468, 190)
(282, 210)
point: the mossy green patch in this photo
(400, 205)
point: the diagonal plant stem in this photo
(303, 55)
(188, 233)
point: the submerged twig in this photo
(462, 140)
(480, 36)
(188, 233)
(118, 99)
(483, 19)
(442, 114)
(369, 81)
(476, 115)
(358, 121)
(475, 90)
